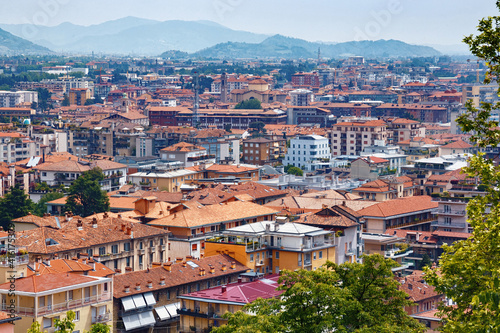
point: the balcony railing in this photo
(452, 212)
(59, 307)
(398, 253)
(5, 261)
(101, 318)
(449, 224)
(414, 222)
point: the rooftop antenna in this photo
(196, 104)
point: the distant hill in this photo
(285, 47)
(131, 35)
(11, 45)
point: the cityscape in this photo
(222, 167)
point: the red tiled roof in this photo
(399, 206)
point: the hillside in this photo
(285, 47)
(11, 45)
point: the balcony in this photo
(60, 307)
(452, 212)
(259, 263)
(398, 253)
(200, 158)
(6, 261)
(443, 224)
(101, 318)
(197, 313)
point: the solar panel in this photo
(162, 313)
(139, 301)
(128, 303)
(150, 299)
(192, 264)
(147, 318)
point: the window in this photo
(277, 254)
(70, 295)
(140, 246)
(251, 257)
(320, 254)
(127, 261)
(314, 255)
(126, 247)
(102, 251)
(47, 322)
(90, 252)
(114, 249)
(141, 259)
(77, 316)
(150, 243)
(194, 247)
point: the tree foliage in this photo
(41, 206)
(65, 325)
(14, 204)
(292, 170)
(99, 328)
(249, 104)
(469, 270)
(85, 195)
(351, 297)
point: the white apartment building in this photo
(10, 99)
(301, 97)
(351, 138)
(16, 147)
(307, 148)
(57, 141)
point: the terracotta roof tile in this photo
(399, 206)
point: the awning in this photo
(147, 318)
(128, 303)
(162, 313)
(139, 301)
(172, 309)
(131, 322)
(150, 299)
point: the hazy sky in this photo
(412, 21)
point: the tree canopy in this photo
(14, 204)
(292, 170)
(249, 104)
(469, 270)
(85, 195)
(350, 297)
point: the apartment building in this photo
(115, 242)
(15, 147)
(387, 189)
(10, 99)
(257, 151)
(401, 129)
(187, 153)
(202, 310)
(307, 148)
(148, 299)
(270, 246)
(65, 172)
(351, 138)
(191, 223)
(47, 297)
(78, 96)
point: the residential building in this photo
(202, 310)
(9, 99)
(387, 189)
(479, 93)
(7, 322)
(78, 96)
(301, 97)
(306, 80)
(401, 129)
(415, 213)
(190, 224)
(420, 112)
(307, 148)
(256, 151)
(230, 172)
(456, 147)
(371, 168)
(389, 246)
(17, 112)
(351, 138)
(436, 165)
(65, 172)
(345, 224)
(424, 296)
(15, 147)
(270, 246)
(164, 179)
(302, 115)
(187, 153)
(148, 299)
(56, 141)
(115, 242)
(47, 297)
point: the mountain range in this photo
(11, 45)
(201, 39)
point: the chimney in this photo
(240, 280)
(138, 286)
(150, 284)
(96, 258)
(105, 215)
(168, 266)
(156, 264)
(189, 257)
(178, 260)
(127, 289)
(79, 225)
(233, 265)
(223, 288)
(129, 231)
(128, 269)
(124, 227)
(119, 216)
(410, 286)
(184, 264)
(92, 263)
(212, 269)
(94, 222)
(200, 273)
(37, 272)
(224, 267)
(118, 271)
(162, 281)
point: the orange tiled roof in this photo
(46, 282)
(71, 266)
(183, 147)
(399, 206)
(178, 275)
